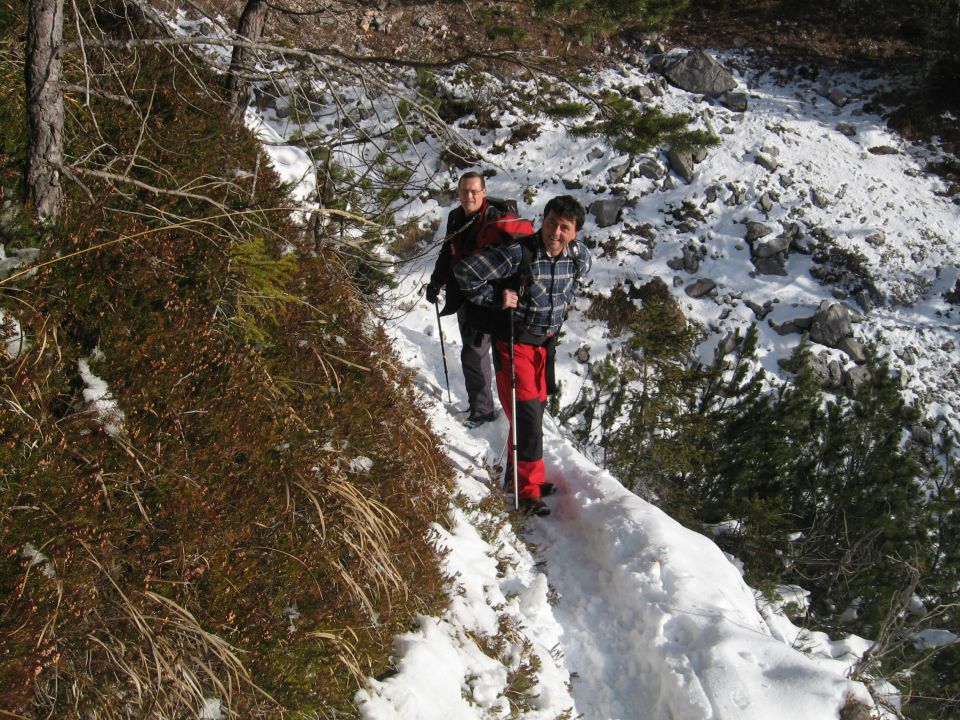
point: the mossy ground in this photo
(224, 545)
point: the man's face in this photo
(471, 193)
(557, 233)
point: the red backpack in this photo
(507, 226)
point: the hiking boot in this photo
(474, 420)
(547, 489)
(534, 506)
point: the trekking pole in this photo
(513, 417)
(443, 352)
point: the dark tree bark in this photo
(250, 28)
(44, 108)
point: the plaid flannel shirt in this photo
(554, 282)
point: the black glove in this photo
(432, 293)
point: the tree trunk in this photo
(250, 28)
(44, 108)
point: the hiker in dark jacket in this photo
(536, 280)
(465, 225)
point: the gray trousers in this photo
(475, 358)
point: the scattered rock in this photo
(803, 244)
(689, 260)
(856, 376)
(831, 324)
(770, 248)
(606, 212)
(761, 311)
(700, 73)
(864, 300)
(854, 349)
(756, 230)
(582, 355)
(681, 162)
(766, 162)
(827, 371)
(738, 195)
(819, 198)
(616, 173)
(838, 97)
(700, 288)
(651, 168)
(788, 327)
(846, 129)
(729, 343)
(736, 101)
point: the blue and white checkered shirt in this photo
(545, 297)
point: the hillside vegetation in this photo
(215, 481)
(245, 516)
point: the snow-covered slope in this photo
(614, 608)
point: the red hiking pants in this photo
(530, 363)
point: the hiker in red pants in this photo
(534, 281)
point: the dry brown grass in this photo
(226, 545)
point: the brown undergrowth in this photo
(258, 530)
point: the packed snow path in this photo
(650, 621)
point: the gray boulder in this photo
(820, 198)
(729, 343)
(773, 265)
(827, 371)
(854, 348)
(700, 73)
(856, 376)
(831, 324)
(700, 288)
(736, 101)
(607, 211)
(651, 168)
(681, 162)
(846, 129)
(756, 230)
(795, 325)
(761, 311)
(688, 261)
(769, 248)
(618, 172)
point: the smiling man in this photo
(535, 280)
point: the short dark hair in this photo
(567, 207)
(472, 174)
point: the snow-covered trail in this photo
(652, 621)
